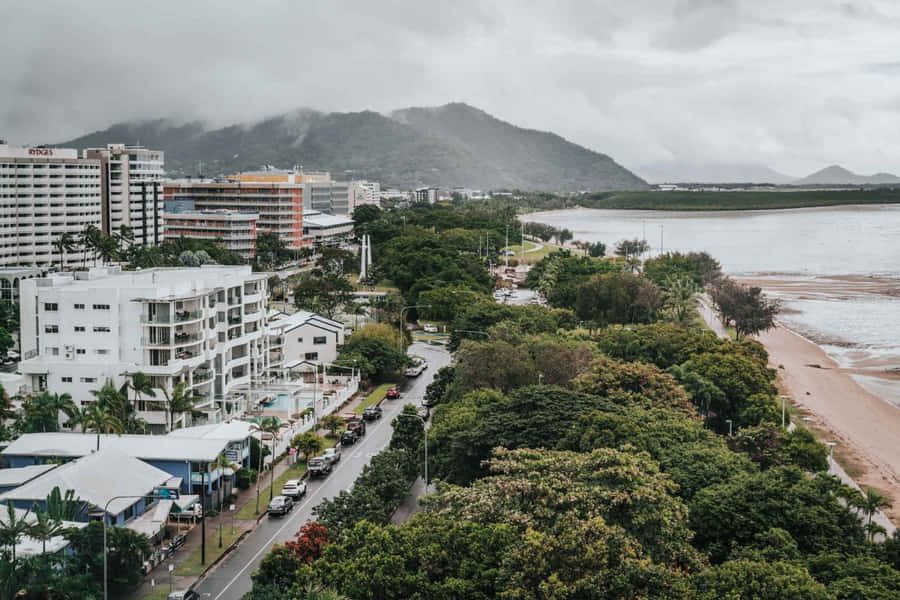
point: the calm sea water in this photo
(856, 322)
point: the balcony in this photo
(187, 338)
(157, 319)
(155, 343)
(182, 316)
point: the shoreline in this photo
(863, 424)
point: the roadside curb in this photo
(227, 551)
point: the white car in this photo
(294, 488)
(429, 328)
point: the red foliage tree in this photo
(310, 541)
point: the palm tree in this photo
(42, 411)
(356, 309)
(142, 385)
(89, 242)
(12, 528)
(124, 238)
(99, 418)
(65, 507)
(178, 402)
(107, 248)
(64, 243)
(870, 503)
(679, 296)
(45, 528)
(271, 425)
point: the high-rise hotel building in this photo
(45, 193)
(131, 189)
(278, 204)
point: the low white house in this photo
(302, 339)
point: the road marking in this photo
(268, 545)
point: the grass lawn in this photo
(192, 565)
(160, 591)
(376, 396)
(518, 247)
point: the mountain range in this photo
(455, 145)
(836, 175)
(682, 172)
(678, 172)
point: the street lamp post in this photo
(831, 446)
(729, 426)
(403, 310)
(783, 398)
(425, 430)
(156, 496)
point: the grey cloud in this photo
(794, 85)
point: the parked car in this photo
(348, 438)
(393, 393)
(280, 505)
(357, 426)
(183, 595)
(332, 455)
(372, 413)
(294, 488)
(429, 328)
(318, 466)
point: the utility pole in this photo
(660, 239)
(506, 250)
(523, 241)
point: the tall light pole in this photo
(425, 430)
(831, 446)
(783, 398)
(403, 310)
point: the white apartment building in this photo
(131, 190)
(331, 198)
(364, 192)
(44, 193)
(298, 341)
(203, 326)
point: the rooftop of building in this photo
(282, 321)
(37, 152)
(144, 447)
(96, 478)
(230, 431)
(224, 213)
(319, 219)
(20, 475)
(165, 282)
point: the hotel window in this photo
(80, 351)
(53, 351)
(66, 379)
(312, 356)
(299, 340)
(79, 328)
(88, 379)
(51, 328)
(101, 351)
(51, 306)
(79, 307)
(101, 307)
(101, 329)
(319, 340)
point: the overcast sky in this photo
(793, 84)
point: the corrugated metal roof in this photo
(96, 479)
(145, 447)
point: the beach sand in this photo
(863, 424)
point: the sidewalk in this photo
(186, 561)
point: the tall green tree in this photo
(100, 419)
(64, 243)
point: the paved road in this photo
(230, 580)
